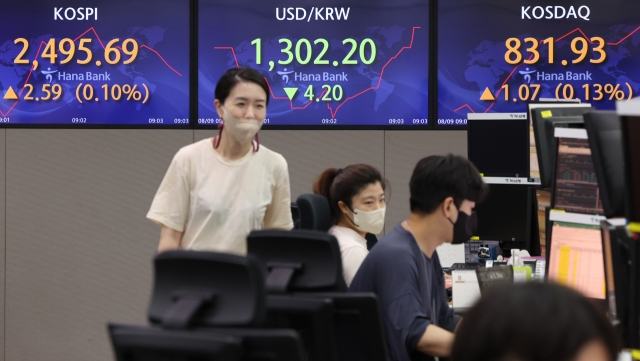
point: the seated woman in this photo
(534, 322)
(357, 202)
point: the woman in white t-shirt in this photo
(357, 202)
(219, 189)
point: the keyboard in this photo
(464, 266)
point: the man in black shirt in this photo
(404, 270)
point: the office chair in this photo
(295, 215)
(306, 262)
(205, 306)
(314, 212)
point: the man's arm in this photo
(436, 341)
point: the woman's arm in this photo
(278, 214)
(170, 239)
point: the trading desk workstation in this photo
(541, 99)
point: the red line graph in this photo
(331, 110)
(558, 39)
(76, 39)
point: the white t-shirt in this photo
(216, 202)
(353, 249)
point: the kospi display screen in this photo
(327, 62)
(495, 55)
(95, 62)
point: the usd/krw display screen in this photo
(100, 62)
(495, 56)
(327, 62)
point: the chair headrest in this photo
(230, 288)
(314, 212)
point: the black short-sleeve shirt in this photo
(410, 287)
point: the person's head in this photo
(534, 322)
(356, 196)
(446, 189)
(241, 99)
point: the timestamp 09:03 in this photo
(414, 121)
(175, 121)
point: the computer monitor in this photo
(616, 269)
(605, 140)
(299, 260)
(576, 187)
(358, 326)
(139, 343)
(547, 103)
(545, 120)
(634, 297)
(207, 289)
(498, 144)
(631, 147)
(505, 215)
(576, 258)
(311, 317)
(260, 344)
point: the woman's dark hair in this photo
(437, 177)
(343, 184)
(531, 322)
(233, 76)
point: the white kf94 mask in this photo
(369, 221)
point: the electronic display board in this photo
(495, 56)
(95, 62)
(327, 63)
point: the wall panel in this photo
(79, 247)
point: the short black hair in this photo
(437, 177)
(233, 76)
(531, 322)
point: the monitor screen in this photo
(534, 167)
(605, 140)
(607, 251)
(544, 123)
(631, 134)
(499, 144)
(505, 214)
(95, 62)
(327, 63)
(576, 186)
(575, 258)
(494, 56)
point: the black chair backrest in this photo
(299, 260)
(139, 343)
(295, 215)
(207, 289)
(314, 211)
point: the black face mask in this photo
(465, 226)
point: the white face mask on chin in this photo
(242, 130)
(369, 221)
